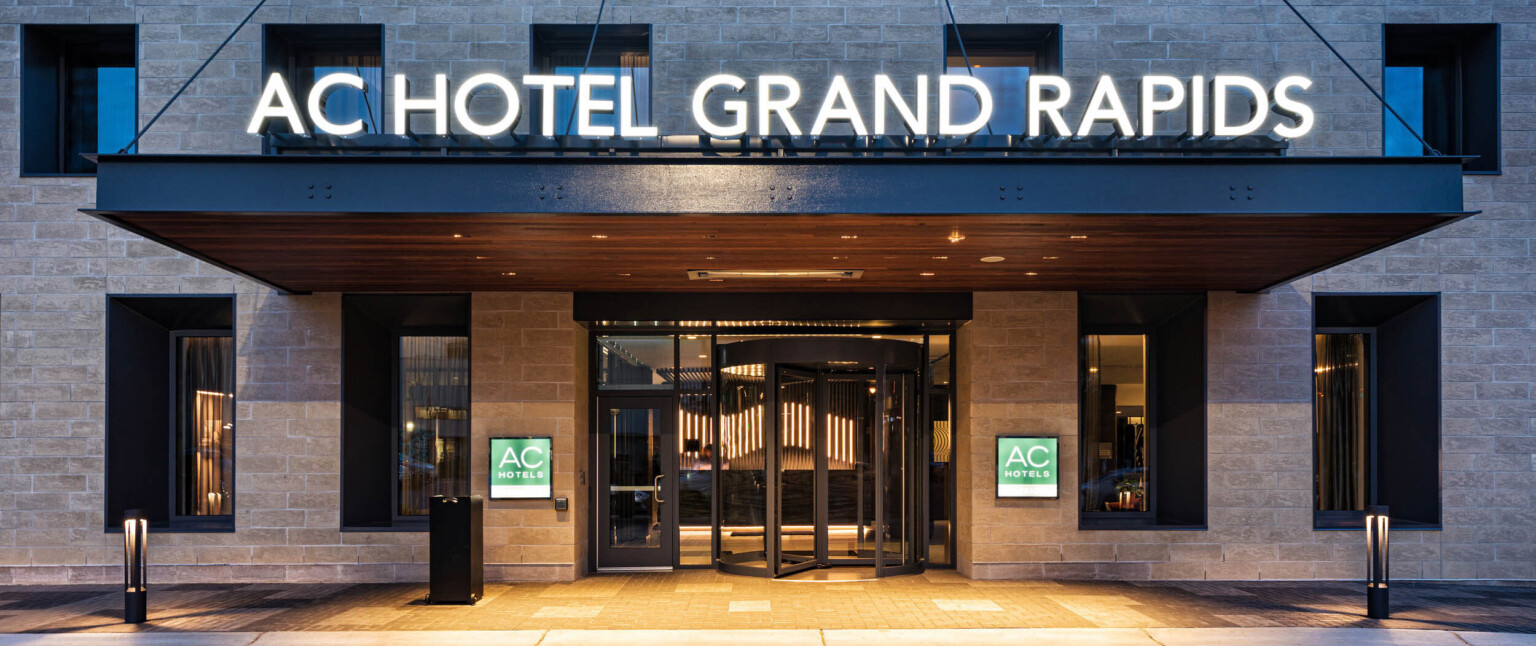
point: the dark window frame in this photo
(284, 47)
(1153, 518)
(52, 98)
(1355, 520)
(366, 306)
(172, 522)
(1044, 39)
(610, 41)
(1487, 110)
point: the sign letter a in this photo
(510, 457)
(1015, 455)
(276, 90)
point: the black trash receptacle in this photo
(457, 568)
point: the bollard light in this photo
(135, 533)
(1377, 525)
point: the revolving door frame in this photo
(777, 355)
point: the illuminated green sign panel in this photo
(1027, 467)
(522, 467)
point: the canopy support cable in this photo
(586, 63)
(961, 42)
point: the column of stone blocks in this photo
(524, 349)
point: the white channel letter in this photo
(886, 92)
(838, 92)
(947, 84)
(1258, 102)
(276, 90)
(1105, 104)
(507, 121)
(547, 84)
(766, 105)
(1051, 108)
(627, 125)
(437, 104)
(1151, 105)
(1292, 109)
(317, 103)
(1195, 113)
(586, 105)
(735, 106)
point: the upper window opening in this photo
(304, 54)
(1002, 56)
(1444, 81)
(80, 95)
(620, 51)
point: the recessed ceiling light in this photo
(926, 273)
(1050, 257)
(717, 280)
(992, 258)
(709, 257)
(623, 274)
(1030, 273)
(941, 257)
(850, 237)
(955, 236)
(839, 257)
(481, 257)
(874, 336)
(703, 356)
(460, 235)
(599, 236)
(509, 273)
(1079, 237)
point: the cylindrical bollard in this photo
(135, 533)
(1377, 526)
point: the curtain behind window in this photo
(1342, 411)
(206, 434)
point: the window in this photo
(941, 453)
(304, 54)
(1142, 376)
(1444, 81)
(621, 51)
(405, 418)
(79, 95)
(1003, 56)
(171, 411)
(1376, 408)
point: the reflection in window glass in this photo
(695, 479)
(98, 108)
(434, 420)
(634, 472)
(347, 104)
(938, 359)
(1404, 90)
(1343, 420)
(1114, 453)
(1006, 76)
(635, 66)
(696, 371)
(743, 479)
(940, 525)
(635, 362)
(205, 453)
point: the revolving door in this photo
(821, 456)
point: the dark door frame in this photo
(665, 556)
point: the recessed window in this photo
(79, 95)
(405, 418)
(1003, 56)
(620, 51)
(1444, 81)
(1376, 408)
(1142, 379)
(171, 411)
(304, 54)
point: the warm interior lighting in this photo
(599, 236)
(992, 258)
(1079, 237)
(955, 236)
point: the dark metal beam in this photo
(323, 185)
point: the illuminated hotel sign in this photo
(1027, 467)
(1204, 102)
(522, 467)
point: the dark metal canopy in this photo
(386, 222)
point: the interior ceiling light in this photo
(599, 236)
(955, 236)
(992, 258)
(721, 274)
(1079, 237)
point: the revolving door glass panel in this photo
(832, 477)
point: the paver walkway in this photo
(692, 600)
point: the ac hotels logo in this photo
(1206, 104)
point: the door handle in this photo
(656, 489)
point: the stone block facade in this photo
(1016, 359)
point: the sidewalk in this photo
(931, 637)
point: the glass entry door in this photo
(800, 534)
(636, 483)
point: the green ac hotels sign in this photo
(522, 467)
(1027, 467)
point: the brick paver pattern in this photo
(706, 599)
